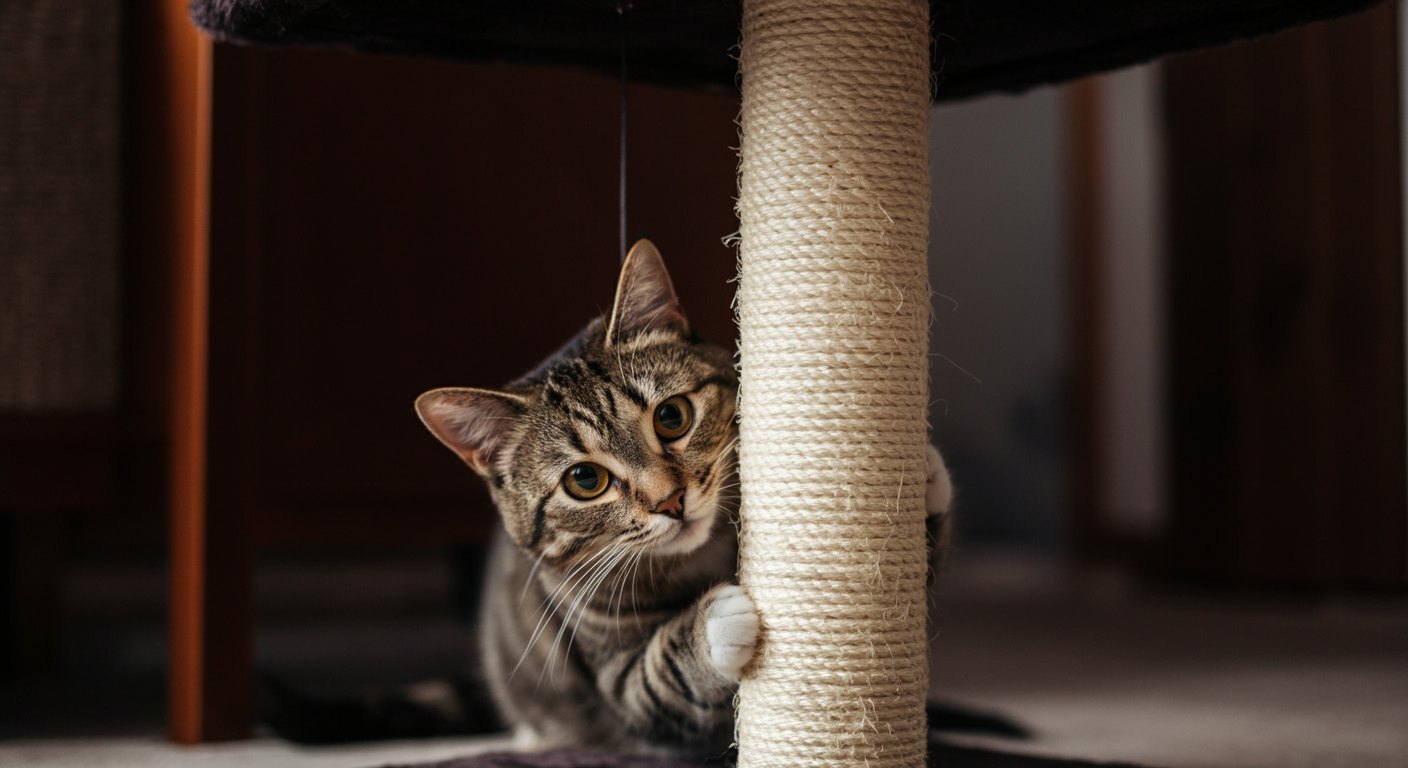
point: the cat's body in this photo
(611, 615)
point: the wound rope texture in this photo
(833, 310)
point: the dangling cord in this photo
(621, 7)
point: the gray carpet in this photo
(940, 756)
(1105, 674)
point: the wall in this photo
(995, 265)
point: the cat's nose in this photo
(672, 506)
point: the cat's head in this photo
(622, 439)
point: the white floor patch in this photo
(261, 753)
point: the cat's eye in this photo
(586, 480)
(673, 417)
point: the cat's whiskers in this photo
(621, 588)
(529, 581)
(618, 589)
(630, 571)
(730, 449)
(549, 606)
(724, 461)
(728, 486)
(585, 570)
(589, 589)
(635, 600)
(620, 364)
(615, 587)
(596, 587)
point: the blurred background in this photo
(1168, 349)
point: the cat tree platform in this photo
(978, 47)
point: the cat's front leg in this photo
(678, 686)
(730, 629)
(938, 486)
(938, 503)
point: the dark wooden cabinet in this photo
(1286, 295)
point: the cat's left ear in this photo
(645, 297)
(474, 423)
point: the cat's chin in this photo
(688, 537)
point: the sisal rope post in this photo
(833, 311)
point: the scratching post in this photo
(833, 311)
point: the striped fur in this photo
(613, 622)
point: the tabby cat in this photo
(611, 617)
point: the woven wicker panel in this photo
(59, 205)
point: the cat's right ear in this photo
(645, 297)
(472, 422)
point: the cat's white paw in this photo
(731, 627)
(526, 738)
(938, 488)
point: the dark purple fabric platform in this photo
(940, 756)
(979, 45)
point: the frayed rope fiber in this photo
(833, 312)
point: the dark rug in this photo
(941, 755)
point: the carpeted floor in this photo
(941, 755)
(1100, 673)
(152, 752)
(1180, 681)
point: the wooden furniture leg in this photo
(209, 661)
